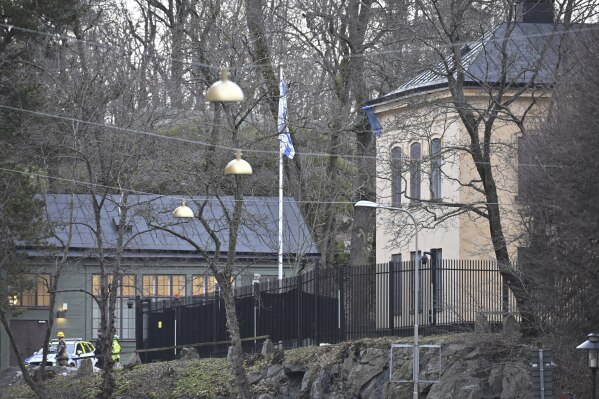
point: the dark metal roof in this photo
(258, 233)
(531, 48)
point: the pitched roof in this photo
(258, 233)
(532, 48)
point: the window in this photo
(265, 280)
(437, 279)
(396, 281)
(167, 285)
(396, 176)
(413, 259)
(436, 169)
(415, 153)
(203, 285)
(36, 295)
(124, 322)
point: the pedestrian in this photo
(62, 358)
(116, 351)
(98, 351)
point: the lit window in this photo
(203, 285)
(163, 285)
(36, 295)
(124, 322)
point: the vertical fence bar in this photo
(335, 305)
(391, 295)
(341, 310)
(299, 288)
(316, 294)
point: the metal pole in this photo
(416, 353)
(416, 368)
(280, 203)
(594, 370)
(416, 308)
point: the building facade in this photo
(155, 264)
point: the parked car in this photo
(77, 350)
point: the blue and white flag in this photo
(282, 121)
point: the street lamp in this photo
(416, 356)
(592, 345)
(224, 90)
(237, 166)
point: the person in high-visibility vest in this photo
(62, 358)
(116, 350)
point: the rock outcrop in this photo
(486, 366)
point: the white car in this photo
(77, 350)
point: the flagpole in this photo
(280, 200)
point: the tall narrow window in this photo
(415, 153)
(413, 260)
(397, 288)
(396, 176)
(124, 322)
(436, 169)
(436, 268)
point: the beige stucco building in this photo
(425, 166)
(424, 163)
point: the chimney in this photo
(534, 11)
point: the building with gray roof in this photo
(156, 264)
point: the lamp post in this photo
(224, 90)
(592, 346)
(416, 356)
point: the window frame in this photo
(396, 175)
(435, 182)
(396, 274)
(40, 299)
(415, 172)
(413, 260)
(124, 317)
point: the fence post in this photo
(506, 297)
(316, 295)
(391, 296)
(299, 315)
(341, 308)
(216, 317)
(434, 283)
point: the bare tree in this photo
(507, 93)
(559, 191)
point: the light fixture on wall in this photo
(62, 312)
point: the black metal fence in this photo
(331, 306)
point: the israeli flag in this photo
(282, 121)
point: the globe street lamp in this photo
(224, 90)
(592, 346)
(416, 356)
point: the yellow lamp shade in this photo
(224, 90)
(183, 211)
(238, 166)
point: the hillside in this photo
(471, 366)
